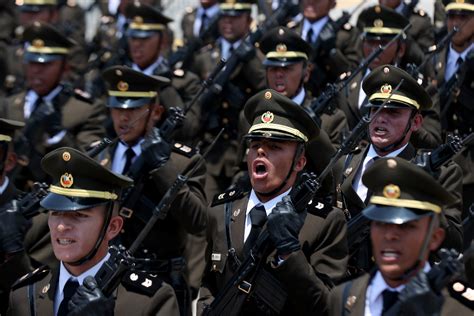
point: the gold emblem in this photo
(351, 300)
(391, 191)
(281, 48)
(459, 1)
(45, 289)
(66, 180)
(230, 1)
(122, 86)
(386, 89)
(66, 156)
(378, 9)
(236, 212)
(281, 31)
(38, 43)
(267, 117)
(386, 70)
(378, 23)
(138, 20)
(268, 95)
(118, 72)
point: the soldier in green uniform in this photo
(311, 246)
(454, 82)
(381, 24)
(145, 42)
(222, 110)
(287, 71)
(335, 47)
(55, 115)
(83, 219)
(135, 107)
(405, 216)
(390, 133)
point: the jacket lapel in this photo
(46, 291)
(350, 172)
(237, 225)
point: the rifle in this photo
(183, 57)
(28, 204)
(439, 276)
(323, 103)
(110, 274)
(245, 48)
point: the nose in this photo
(391, 232)
(261, 151)
(62, 224)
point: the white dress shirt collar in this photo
(119, 158)
(225, 47)
(64, 276)
(149, 70)
(4, 186)
(253, 201)
(210, 13)
(451, 62)
(299, 98)
(32, 96)
(316, 26)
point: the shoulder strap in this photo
(235, 262)
(31, 299)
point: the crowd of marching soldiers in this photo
(291, 164)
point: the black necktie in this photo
(69, 289)
(389, 299)
(258, 216)
(369, 192)
(203, 23)
(309, 36)
(36, 105)
(129, 154)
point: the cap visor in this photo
(57, 202)
(281, 62)
(392, 214)
(140, 33)
(42, 58)
(127, 103)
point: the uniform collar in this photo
(269, 205)
(149, 70)
(4, 186)
(316, 26)
(210, 12)
(299, 98)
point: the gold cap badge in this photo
(66, 180)
(281, 31)
(122, 86)
(386, 89)
(138, 20)
(38, 43)
(267, 117)
(378, 23)
(391, 191)
(268, 95)
(281, 48)
(66, 156)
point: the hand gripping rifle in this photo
(323, 103)
(110, 274)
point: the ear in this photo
(300, 163)
(10, 162)
(417, 121)
(402, 49)
(436, 238)
(307, 72)
(115, 225)
(156, 112)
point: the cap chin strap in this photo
(99, 241)
(410, 272)
(399, 141)
(298, 152)
(4, 146)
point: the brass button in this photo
(225, 105)
(225, 120)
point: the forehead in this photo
(295, 66)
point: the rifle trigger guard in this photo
(245, 287)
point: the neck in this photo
(80, 269)
(461, 48)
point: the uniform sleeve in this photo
(165, 302)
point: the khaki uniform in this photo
(328, 67)
(353, 303)
(82, 121)
(449, 178)
(306, 275)
(132, 297)
(187, 23)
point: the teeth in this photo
(65, 241)
(390, 254)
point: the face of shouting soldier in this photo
(74, 234)
(393, 4)
(465, 36)
(44, 77)
(396, 248)
(389, 125)
(132, 124)
(269, 162)
(287, 80)
(145, 51)
(234, 28)
(314, 10)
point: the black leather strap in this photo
(31, 299)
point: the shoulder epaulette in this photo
(227, 196)
(184, 150)
(347, 26)
(292, 24)
(31, 277)
(141, 282)
(319, 207)
(463, 293)
(83, 96)
(179, 73)
(420, 12)
(189, 9)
